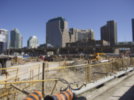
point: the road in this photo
(122, 91)
(118, 89)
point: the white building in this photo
(32, 42)
(3, 40)
(79, 35)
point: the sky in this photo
(31, 16)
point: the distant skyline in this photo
(31, 16)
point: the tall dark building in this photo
(109, 32)
(104, 33)
(57, 32)
(133, 28)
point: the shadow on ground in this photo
(129, 95)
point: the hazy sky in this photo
(30, 16)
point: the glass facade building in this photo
(57, 32)
(15, 39)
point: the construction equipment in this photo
(98, 55)
(97, 58)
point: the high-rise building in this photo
(3, 40)
(133, 28)
(32, 42)
(57, 32)
(104, 33)
(79, 35)
(15, 39)
(109, 32)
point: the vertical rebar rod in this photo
(43, 77)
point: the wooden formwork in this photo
(16, 74)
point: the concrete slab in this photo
(122, 91)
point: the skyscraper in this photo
(57, 32)
(3, 40)
(109, 32)
(15, 39)
(32, 42)
(133, 28)
(104, 33)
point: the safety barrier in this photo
(65, 95)
(36, 95)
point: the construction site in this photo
(67, 50)
(83, 76)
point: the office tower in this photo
(3, 40)
(104, 33)
(79, 35)
(15, 39)
(109, 32)
(133, 28)
(32, 42)
(57, 32)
